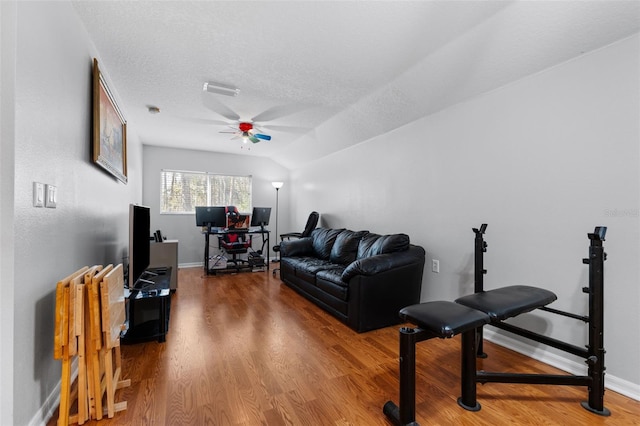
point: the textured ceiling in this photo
(320, 76)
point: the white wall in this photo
(542, 161)
(52, 145)
(183, 227)
(7, 132)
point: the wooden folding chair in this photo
(65, 346)
(90, 315)
(113, 319)
(93, 341)
(77, 334)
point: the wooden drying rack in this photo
(90, 315)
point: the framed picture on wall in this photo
(109, 145)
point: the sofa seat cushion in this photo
(330, 281)
(333, 275)
(308, 265)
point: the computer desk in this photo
(264, 233)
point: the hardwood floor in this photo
(245, 349)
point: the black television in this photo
(211, 216)
(260, 216)
(139, 242)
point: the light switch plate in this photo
(51, 197)
(38, 194)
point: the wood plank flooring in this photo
(244, 349)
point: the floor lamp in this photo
(277, 186)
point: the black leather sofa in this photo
(361, 278)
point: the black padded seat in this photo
(443, 318)
(507, 302)
(310, 265)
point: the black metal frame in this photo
(404, 414)
(207, 231)
(594, 352)
(471, 346)
(480, 247)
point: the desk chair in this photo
(312, 222)
(234, 244)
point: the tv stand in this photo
(142, 283)
(148, 309)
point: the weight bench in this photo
(469, 314)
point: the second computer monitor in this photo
(260, 216)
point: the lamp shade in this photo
(277, 185)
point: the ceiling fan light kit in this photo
(247, 131)
(220, 88)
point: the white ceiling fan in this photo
(253, 129)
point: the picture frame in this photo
(109, 133)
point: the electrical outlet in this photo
(435, 266)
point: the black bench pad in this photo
(445, 319)
(507, 302)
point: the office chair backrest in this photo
(312, 222)
(232, 214)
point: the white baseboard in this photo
(49, 407)
(42, 416)
(191, 265)
(616, 384)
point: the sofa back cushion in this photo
(323, 240)
(373, 244)
(345, 248)
(364, 247)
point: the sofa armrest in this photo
(300, 247)
(375, 300)
(373, 265)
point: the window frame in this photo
(209, 176)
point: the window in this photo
(181, 192)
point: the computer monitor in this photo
(212, 216)
(260, 216)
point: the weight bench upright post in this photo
(595, 361)
(480, 247)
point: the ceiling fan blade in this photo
(206, 121)
(214, 122)
(263, 137)
(253, 139)
(278, 111)
(290, 129)
(216, 106)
